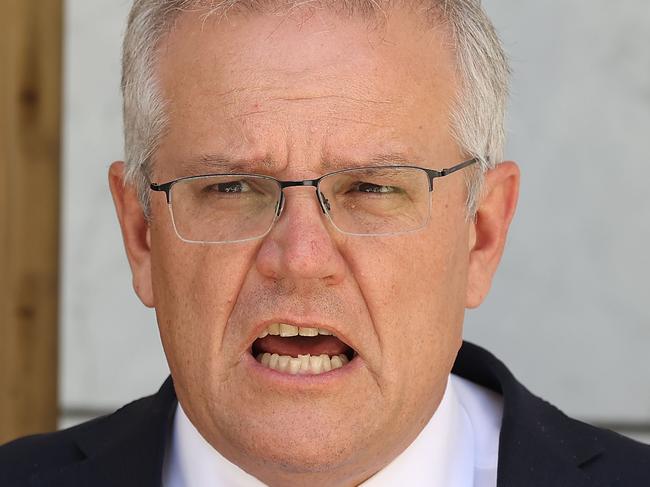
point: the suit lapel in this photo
(538, 446)
(128, 450)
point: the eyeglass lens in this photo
(371, 201)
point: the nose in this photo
(302, 244)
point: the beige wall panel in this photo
(30, 92)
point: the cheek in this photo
(414, 288)
(195, 287)
(413, 280)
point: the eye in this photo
(238, 186)
(375, 188)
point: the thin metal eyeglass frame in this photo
(322, 200)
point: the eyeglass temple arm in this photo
(457, 167)
(165, 187)
(433, 174)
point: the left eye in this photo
(375, 188)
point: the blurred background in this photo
(569, 310)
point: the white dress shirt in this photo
(458, 447)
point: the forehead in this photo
(311, 85)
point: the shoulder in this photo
(540, 446)
(603, 456)
(24, 457)
(618, 451)
(134, 430)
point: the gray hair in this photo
(477, 118)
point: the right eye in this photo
(238, 186)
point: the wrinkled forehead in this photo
(414, 33)
(316, 77)
(375, 12)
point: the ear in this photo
(489, 229)
(135, 232)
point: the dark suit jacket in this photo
(539, 445)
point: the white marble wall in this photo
(110, 353)
(569, 308)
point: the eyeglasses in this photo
(365, 201)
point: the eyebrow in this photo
(378, 159)
(220, 163)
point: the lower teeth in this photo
(304, 364)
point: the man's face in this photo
(294, 97)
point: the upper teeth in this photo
(285, 330)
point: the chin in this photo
(311, 444)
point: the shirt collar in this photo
(446, 452)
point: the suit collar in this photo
(539, 445)
(126, 448)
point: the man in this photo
(312, 197)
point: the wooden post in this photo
(30, 106)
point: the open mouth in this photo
(300, 350)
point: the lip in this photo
(268, 376)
